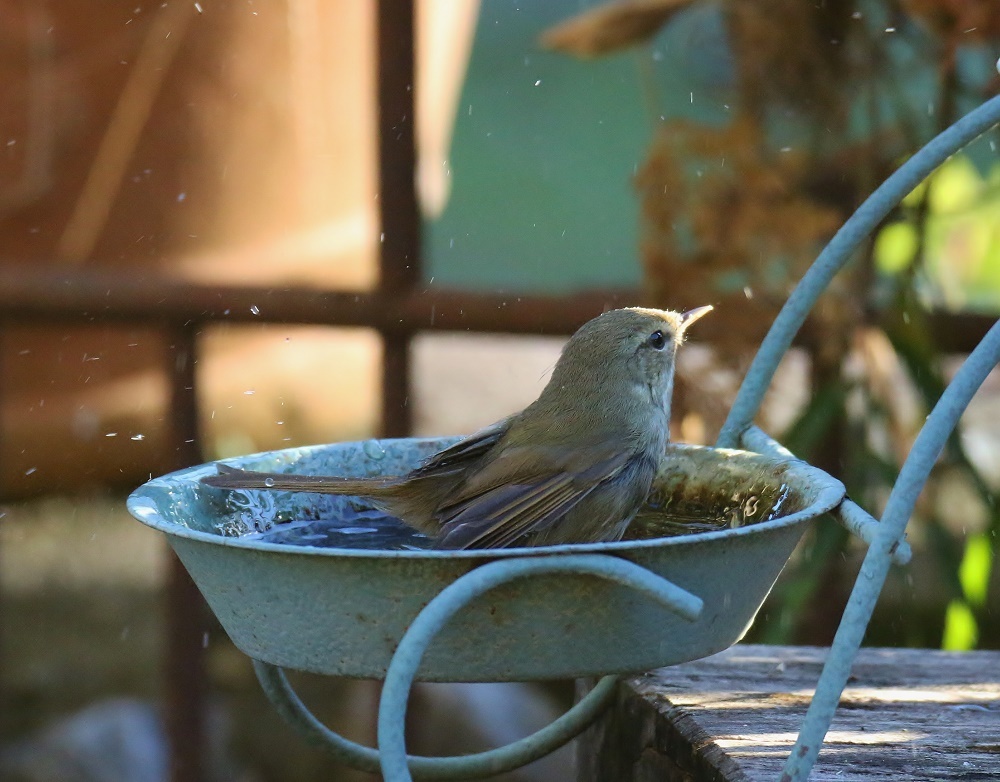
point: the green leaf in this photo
(974, 572)
(896, 247)
(960, 628)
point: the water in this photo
(300, 519)
(364, 529)
(670, 516)
(351, 524)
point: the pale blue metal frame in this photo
(885, 538)
(391, 757)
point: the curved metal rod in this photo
(403, 666)
(860, 522)
(917, 467)
(288, 704)
(835, 256)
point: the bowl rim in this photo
(830, 494)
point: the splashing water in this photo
(368, 529)
(253, 511)
(340, 522)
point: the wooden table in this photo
(907, 714)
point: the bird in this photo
(575, 466)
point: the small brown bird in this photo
(573, 467)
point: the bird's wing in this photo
(456, 458)
(513, 497)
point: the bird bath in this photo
(541, 613)
(341, 611)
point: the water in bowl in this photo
(352, 524)
(366, 529)
(667, 516)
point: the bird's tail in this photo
(232, 478)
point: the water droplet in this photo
(254, 309)
(138, 437)
(269, 482)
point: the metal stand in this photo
(884, 538)
(392, 760)
(932, 438)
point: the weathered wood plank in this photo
(907, 714)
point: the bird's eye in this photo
(657, 341)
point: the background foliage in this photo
(774, 119)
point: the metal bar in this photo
(836, 255)
(99, 297)
(433, 617)
(399, 211)
(42, 294)
(93, 298)
(184, 675)
(186, 614)
(3, 679)
(397, 415)
(862, 524)
(397, 151)
(104, 297)
(912, 477)
(288, 704)
(756, 439)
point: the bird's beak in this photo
(691, 316)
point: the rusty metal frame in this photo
(397, 309)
